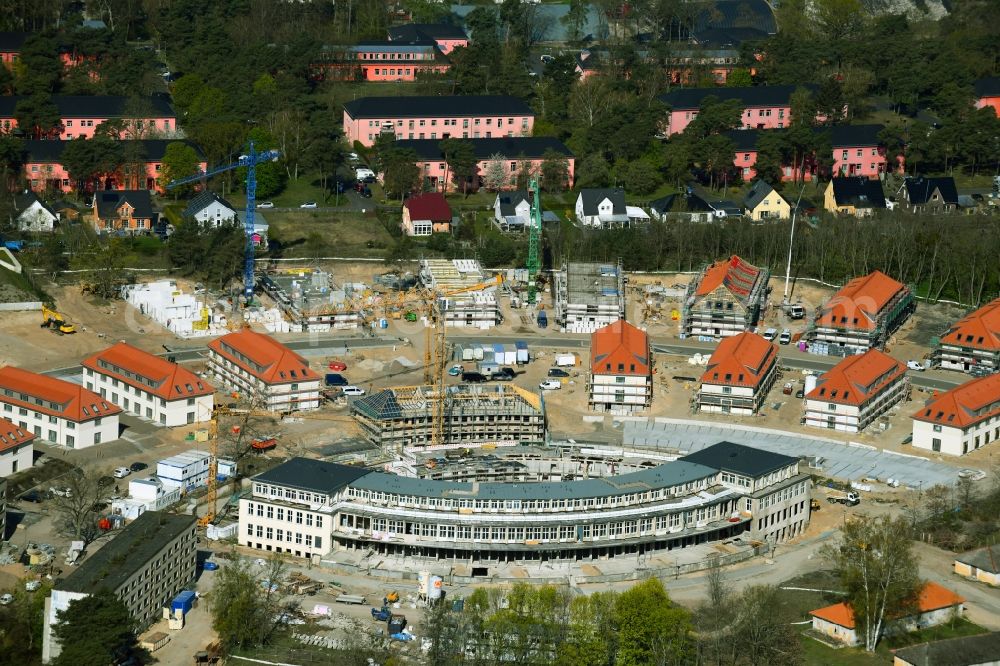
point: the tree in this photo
(495, 176)
(739, 78)
(460, 157)
(651, 630)
(37, 116)
(400, 175)
(179, 161)
(555, 171)
(770, 157)
(271, 176)
(640, 177)
(590, 637)
(593, 171)
(186, 90)
(575, 19)
(22, 620)
(88, 161)
(878, 571)
(103, 266)
(96, 630)
(75, 514)
(246, 609)
(761, 634)
(40, 65)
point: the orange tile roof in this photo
(977, 330)
(960, 407)
(275, 363)
(172, 382)
(857, 378)
(857, 304)
(11, 436)
(736, 275)
(61, 398)
(931, 597)
(740, 360)
(619, 344)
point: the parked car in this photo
(353, 390)
(796, 312)
(363, 174)
(915, 365)
(265, 204)
(785, 337)
(32, 585)
(972, 474)
(800, 393)
(138, 466)
(455, 370)
(505, 374)
(473, 377)
(122, 472)
(31, 496)
(335, 379)
(366, 193)
(309, 204)
(353, 158)
(558, 372)
(550, 385)
(60, 492)
(6, 599)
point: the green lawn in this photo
(324, 234)
(817, 654)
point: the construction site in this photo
(473, 308)
(472, 415)
(725, 298)
(589, 296)
(309, 299)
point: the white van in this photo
(785, 338)
(770, 334)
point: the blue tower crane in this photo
(250, 161)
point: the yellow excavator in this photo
(56, 322)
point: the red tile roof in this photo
(263, 357)
(857, 304)
(11, 436)
(619, 344)
(931, 597)
(740, 360)
(737, 275)
(171, 381)
(431, 206)
(856, 379)
(59, 398)
(978, 330)
(965, 405)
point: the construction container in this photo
(509, 354)
(396, 623)
(565, 360)
(498, 354)
(522, 352)
(183, 602)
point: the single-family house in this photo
(448, 37)
(512, 210)
(930, 195)
(124, 211)
(621, 369)
(32, 214)
(388, 60)
(437, 117)
(764, 107)
(16, 451)
(855, 195)
(426, 214)
(988, 93)
(934, 605)
(862, 315)
(978, 650)
(763, 204)
(972, 344)
(211, 210)
(740, 372)
(81, 115)
(661, 208)
(981, 564)
(725, 298)
(851, 395)
(601, 207)
(517, 155)
(961, 420)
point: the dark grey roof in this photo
(740, 459)
(152, 149)
(316, 476)
(203, 199)
(418, 31)
(691, 98)
(24, 200)
(663, 204)
(663, 476)
(722, 38)
(760, 191)
(987, 559)
(745, 140)
(437, 105)
(93, 106)
(854, 135)
(729, 14)
(510, 147)
(859, 192)
(920, 189)
(12, 41)
(510, 200)
(593, 196)
(133, 547)
(988, 87)
(108, 202)
(964, 651)
(549, 24)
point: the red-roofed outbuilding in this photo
(621, 370)
(426, 214)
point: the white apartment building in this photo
(621, 369)
(16, 450)
(856, 391)
(144, 495)
(961, 420)
(56, 411)
(269, 374)
(739, 375)
(972, 345)
(149, 386)
(862, 315)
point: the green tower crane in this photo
(534, 240)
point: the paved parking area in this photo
(849, 462)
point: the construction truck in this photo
(850, 499)
(54, 321)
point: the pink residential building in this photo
(448, 37)
(436, 117)
(44, 170)
(381, 61)
(81, 115)
(988, 93)
(764, 107)
(10, 48)
(517, 153)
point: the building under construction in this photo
(474, 415)
(308, 297)
(589, 296)
(476, 309)
(726, 298)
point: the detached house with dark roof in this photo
(739, 375)
(982, 564)
(725, 299)
(601, 208)
(763, 204)
(851, 395)
(269, 374)
(149, 386)
(512, 210)
(858, 196)
(930, 195)
(621, 369)
(211, 210)
(988, 93)
(861, 315)
(124, 212)
(960, 420)
(972, 344)
(32, 214)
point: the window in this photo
(937, 428)
(935, 444)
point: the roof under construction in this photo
(451, 274)
(416, 401)
(593, 284)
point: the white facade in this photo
(60, 430)
(600, 217)
(724, 399)
(519, 221)
(186, 470)
(954, 441)
(146, 495)
(37, 218)
(620, 394)
(284, 397)
(216, 214)
(16, 459)
(146, 404)
(845, 417)
(272, 521)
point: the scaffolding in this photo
(475, 309)
(589, 296)
(725, 298)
